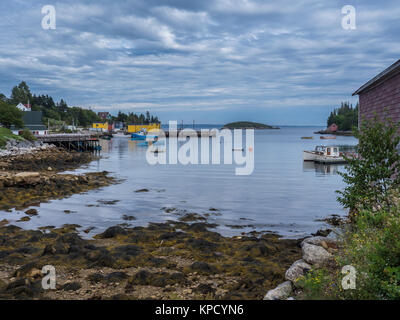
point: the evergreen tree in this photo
(345, 117)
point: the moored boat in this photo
(143, 136)
(324, 154)
(138, 135)
(330, 137)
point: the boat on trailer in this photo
(324, 154)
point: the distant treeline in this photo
(133, 118)
(60, 112)
(345, 117)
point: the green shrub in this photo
(27, 135)
(319, 284)
(374, 250)
(372, 175)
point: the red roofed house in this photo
(333, 127)
(24, 107)
(379, 94)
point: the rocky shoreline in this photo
(30, 174)
(316, 252)
(183, 259)
(17, 147)
(35, 156)
(172, 260)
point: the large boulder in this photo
(24, 175)
(321, 241)
(281, 292)
(297, 270)
(315, 255)
(27, 178)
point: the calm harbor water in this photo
(283, 194)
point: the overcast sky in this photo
(277, 62)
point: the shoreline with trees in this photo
(345, 118)
(58, 113)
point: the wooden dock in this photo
(78, 142)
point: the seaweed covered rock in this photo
(71, 286)
(112, 232)
(162, 261)
(156, 279)
(202, 267)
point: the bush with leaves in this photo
(27, 135)
(373, 248)
(10, 115)
(373, 174)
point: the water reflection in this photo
(321, 169)
(282, 195)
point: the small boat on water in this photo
(330, 137)
(307, 138)
(324, 154)
(121, 135)
(141, 135)
(138, 135)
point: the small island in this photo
(247, 125)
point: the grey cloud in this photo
(197, 56)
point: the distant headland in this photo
(247, 125)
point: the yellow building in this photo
(99, 125)
(147, 127)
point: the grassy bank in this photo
(5, 135)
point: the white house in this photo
(33, 122)
(24, 107)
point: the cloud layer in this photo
(281, 62)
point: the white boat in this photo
(324, 154)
